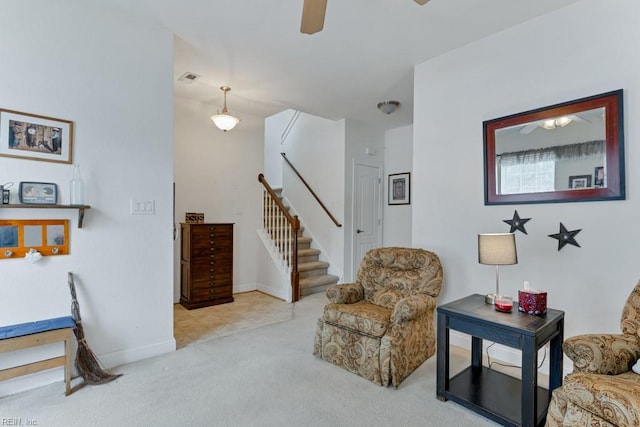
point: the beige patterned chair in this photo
(602, 390)
(381, 327)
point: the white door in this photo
(367, 212)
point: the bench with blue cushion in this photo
(31, 334)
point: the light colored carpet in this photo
(260, 377)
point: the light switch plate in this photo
(142, 207)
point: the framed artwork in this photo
(598, 177)
(400, 188)
(29, 136)
(38, 193)
(579, 181)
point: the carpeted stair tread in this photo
(308, 252)
(314, 265)
(311, 282)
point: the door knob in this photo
(359, 231)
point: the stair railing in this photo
(335, 221)
(283, 229)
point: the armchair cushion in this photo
(363, 317)
(386, 298)
(587, 399)
(412, 307)
(346, 293)
(608, 354)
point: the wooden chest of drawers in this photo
(206, 264)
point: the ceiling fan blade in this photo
(578, 118)
(528, 128)
(422, 1)
(313, 16)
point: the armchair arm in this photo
(411, 307)
(345, 293)
(608, 354)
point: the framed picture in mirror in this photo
(547, 155)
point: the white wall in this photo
(518, 70)
(398, 158)
(276, 133)
(316, 148)
(112, 76)
(217, 173)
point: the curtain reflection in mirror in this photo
(547, 169)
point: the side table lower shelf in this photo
(493, 394)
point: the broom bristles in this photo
(86, 361)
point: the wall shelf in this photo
(80, 208)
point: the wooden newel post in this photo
(295, 275)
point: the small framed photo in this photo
(5, 196)
(579, 181)
(38, 193)
(29, 136)
(598, 177)
(400, 188)
(194, 217)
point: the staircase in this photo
(297, 262)
(314, 276)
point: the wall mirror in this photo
(569, 152)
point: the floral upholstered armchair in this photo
(602, 390)
(381, 327)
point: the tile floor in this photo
(248, 310)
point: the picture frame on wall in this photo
(579, 181)
(399, 188)
(38, 193)
(35, 137)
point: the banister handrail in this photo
(286, 241)
(293, 220)
(335, 221)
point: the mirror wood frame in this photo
(614, 143)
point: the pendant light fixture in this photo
(225, 121)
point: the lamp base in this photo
(490, 299)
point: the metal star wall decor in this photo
(565, 237)
(517, 223)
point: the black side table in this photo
(500, 397)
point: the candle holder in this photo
(503, 303)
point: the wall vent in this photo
(188, 77)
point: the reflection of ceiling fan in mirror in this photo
(556, 122)
(313, 15)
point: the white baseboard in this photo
(275, 292)
(246, 287)
(29, 382)
(108, 361)
(117, 358)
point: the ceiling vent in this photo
(188, 77)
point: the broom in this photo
(86, 362)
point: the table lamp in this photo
(497, 249)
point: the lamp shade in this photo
(497, 249)
(224, 122)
